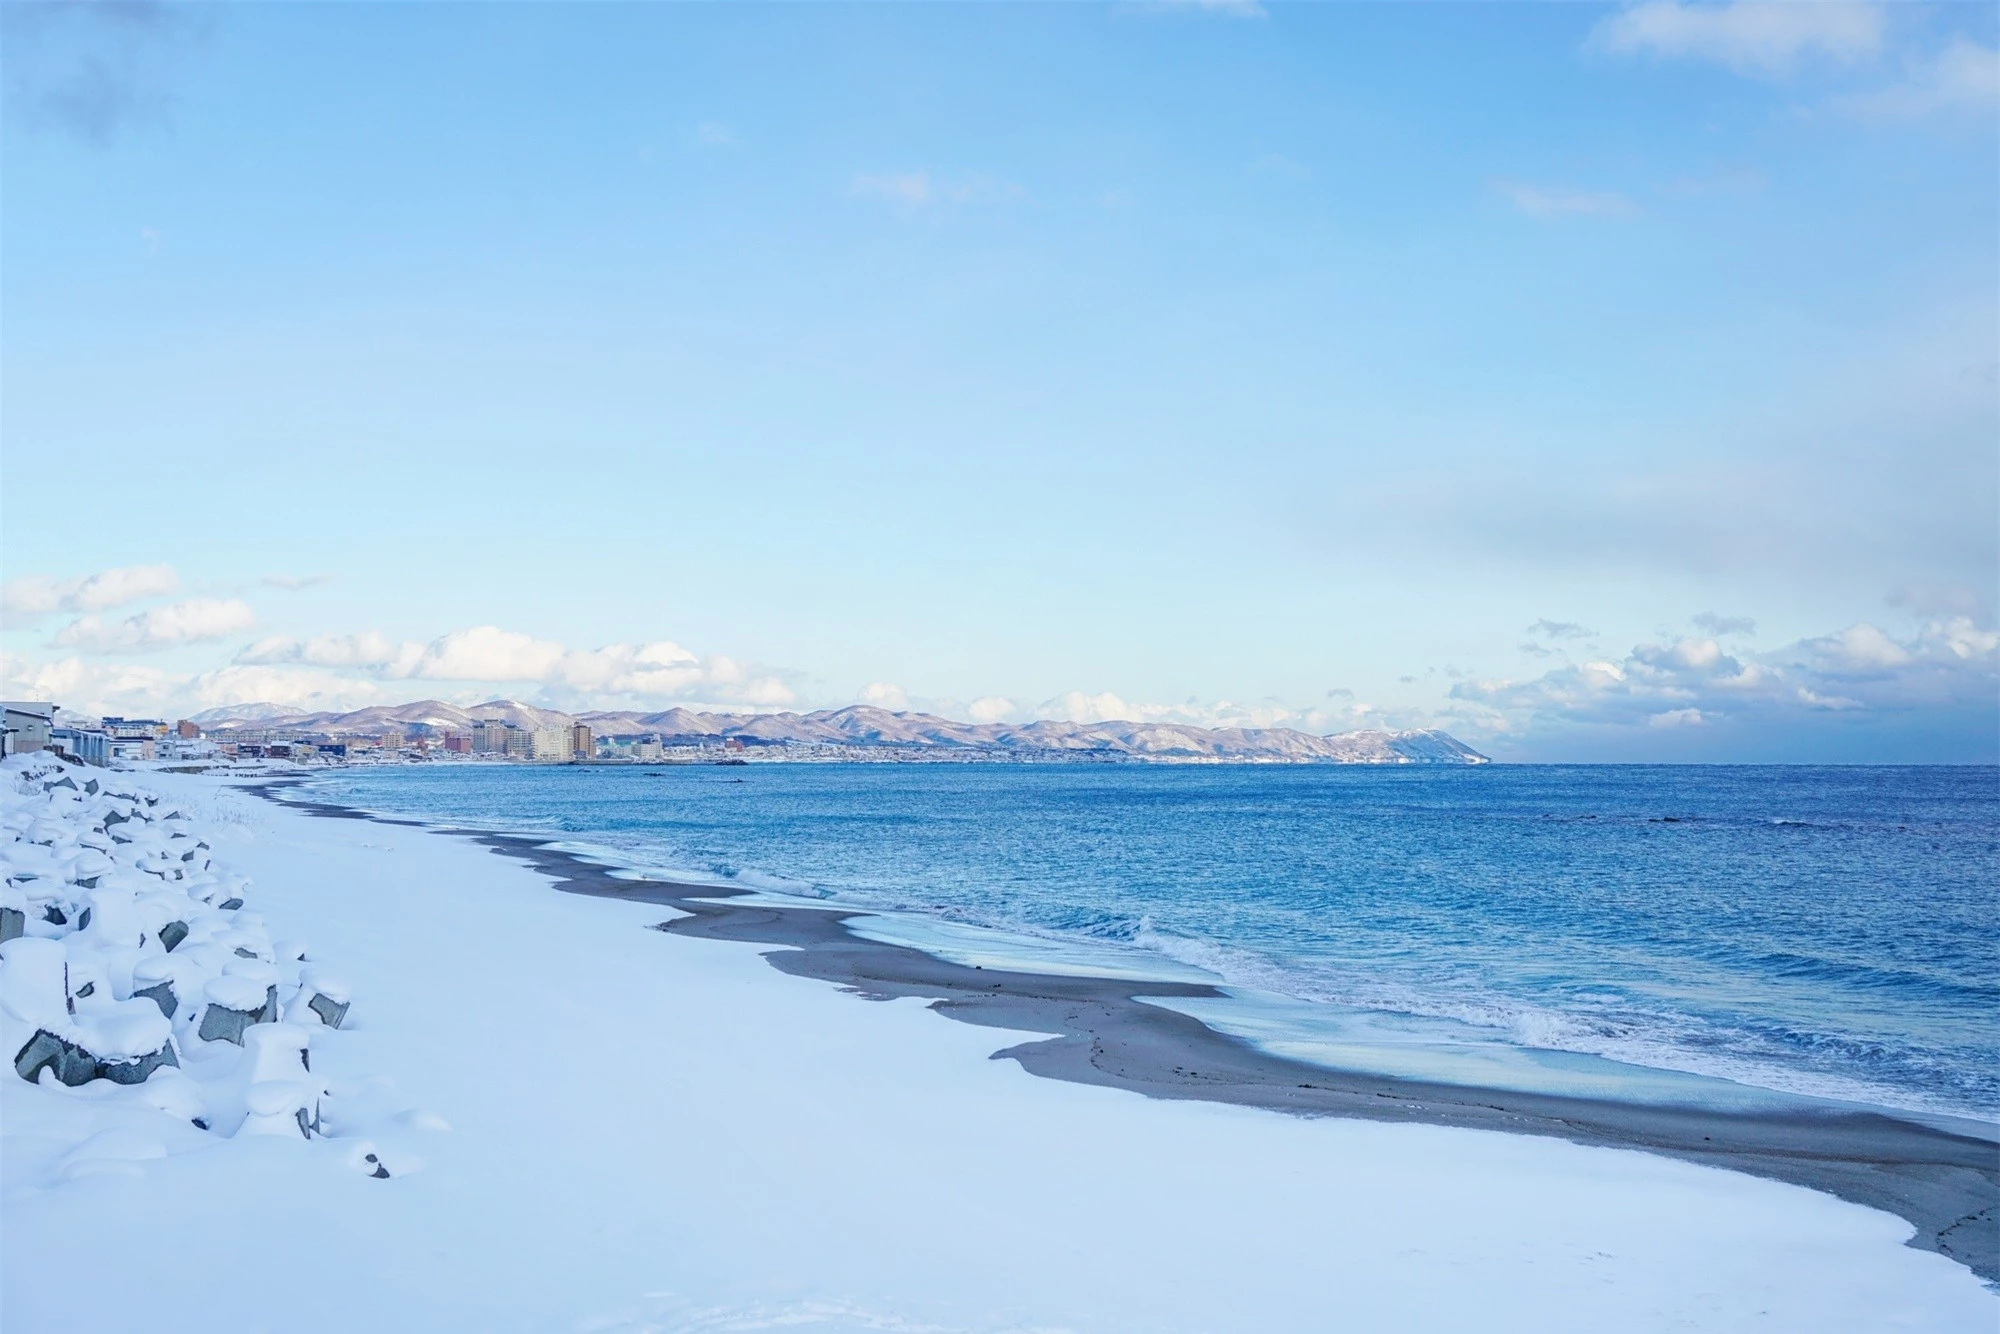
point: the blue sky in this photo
(1594, 382)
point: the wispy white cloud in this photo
(1750, 36)
(1938, 599)
(1279, 164)
(923, 190)
(1774, 39)
(912, 188)
(1544, 201)
(25, 600)
(1789, 482)
(194, 621)
(292, 583)
(1721, 181)
(1962, 78)
(1233, 9)
(370, 648)
(714, 134)
(1544, 636)
(1723, 626)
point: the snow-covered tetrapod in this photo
(127, 958)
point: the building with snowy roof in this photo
(27, 727)
(91, 745)
(134, 729)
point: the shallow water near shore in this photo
(1629, 932)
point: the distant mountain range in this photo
(863, 725)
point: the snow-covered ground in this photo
(593, 1126)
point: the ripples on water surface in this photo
(1821, 930)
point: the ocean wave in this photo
(751, 878)
(1874, 977)
(1661, 1040)
(1784, 1060)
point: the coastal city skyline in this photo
(1193, 364)
(431, 730)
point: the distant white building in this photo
(551, 744)
(27, 727)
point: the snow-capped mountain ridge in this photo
(866, 725)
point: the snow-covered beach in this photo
(588, 1124)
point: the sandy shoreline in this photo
(1946, 1185)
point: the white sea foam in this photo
(1492, 1041)
(1677, 1044)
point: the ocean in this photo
(1723, 935)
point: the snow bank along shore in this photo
(660, 1133)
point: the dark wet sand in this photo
(1947, 1185)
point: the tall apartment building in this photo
(490, 736)
(550, 743)
(582, 745)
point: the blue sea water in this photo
(1832, 932)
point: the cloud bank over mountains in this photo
(1704, 694)
(657, 671)
(1809, 695)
